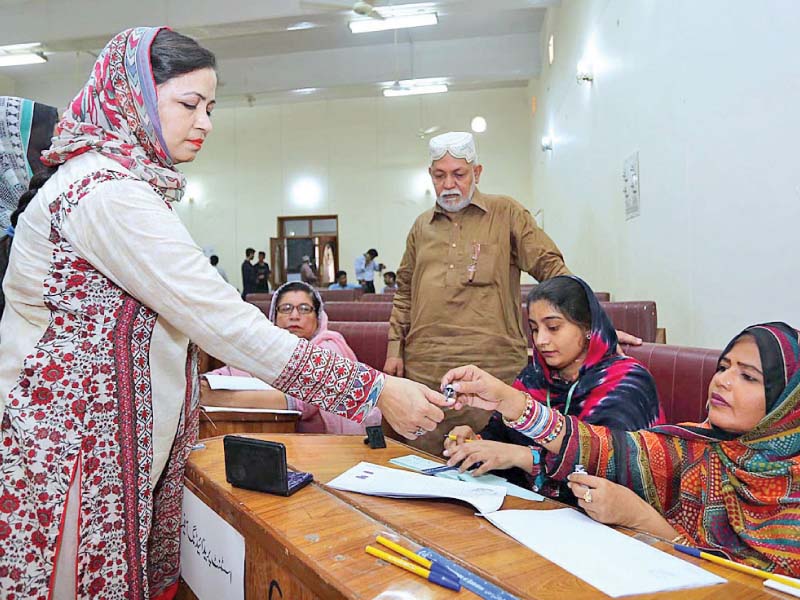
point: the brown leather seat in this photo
(259, 297)
(368, 340)
(636, 318)
(377, 297)
(359, 311)
(340, 295)
(526, 288)
(682, 375)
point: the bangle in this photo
(523, 418)
(554, 433)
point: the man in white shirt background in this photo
(365, 270)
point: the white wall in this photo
(708, 93)
(7, 87)
(364, 154)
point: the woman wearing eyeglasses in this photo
(298, 308)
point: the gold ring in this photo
(587, 497)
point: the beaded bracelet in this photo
(523, 418)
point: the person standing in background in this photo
(307, 273)
(248, 273)
(261, 269)
(214, 259)
(365, 270)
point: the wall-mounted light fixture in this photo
(547, 143)
(585, 71)
(478, 124)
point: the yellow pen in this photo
(791, 582)
(432, 576)
(409, 554)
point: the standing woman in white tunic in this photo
(98, 379)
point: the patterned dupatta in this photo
(82, 408)
(116, 114)
(610, 390)
(737, 494)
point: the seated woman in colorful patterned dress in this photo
(298, 308)
(575, 369)
(729, 484)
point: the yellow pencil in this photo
(450, 436)
(737, 566)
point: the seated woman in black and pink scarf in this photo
(575, 369)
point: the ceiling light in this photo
(305, 91)
(478, 125)
(300, 26)
(393, 22)
(19, 47)
(415, 90)
(28, 58)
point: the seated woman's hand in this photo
(475, 387)
(409, 407)
(493, 455)
(461, 433)
(608, 502)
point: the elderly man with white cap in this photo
(458, 295)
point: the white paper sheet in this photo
(212, 552)
(230, 382)
(273, 411)
(782, 587)
(375, 480)
(417, 463)
(613, 562)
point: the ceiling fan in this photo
(426, 133)
(362, 8)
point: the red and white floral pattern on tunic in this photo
(83, 407)
(330, 381)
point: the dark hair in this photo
(262, 253)
(249, 251)
(214, 259)
(173, 54)
(297, 286)
(340, 273)
(391, 274)
(372, 252)
(567, 296)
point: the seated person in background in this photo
(729, 484)
(389, 282)
(575, 369)
(297, 307)
(341, 282)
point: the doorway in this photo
(315, 236)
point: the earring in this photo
(588, 336)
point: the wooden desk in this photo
(226, 422)
(312, 543)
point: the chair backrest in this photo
(259, 297)
(637, 318)
(682, 375)
(526, 288)
(368, 340)
(358, 311)
(377, 297)
(340, 295)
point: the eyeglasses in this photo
(303, 309)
